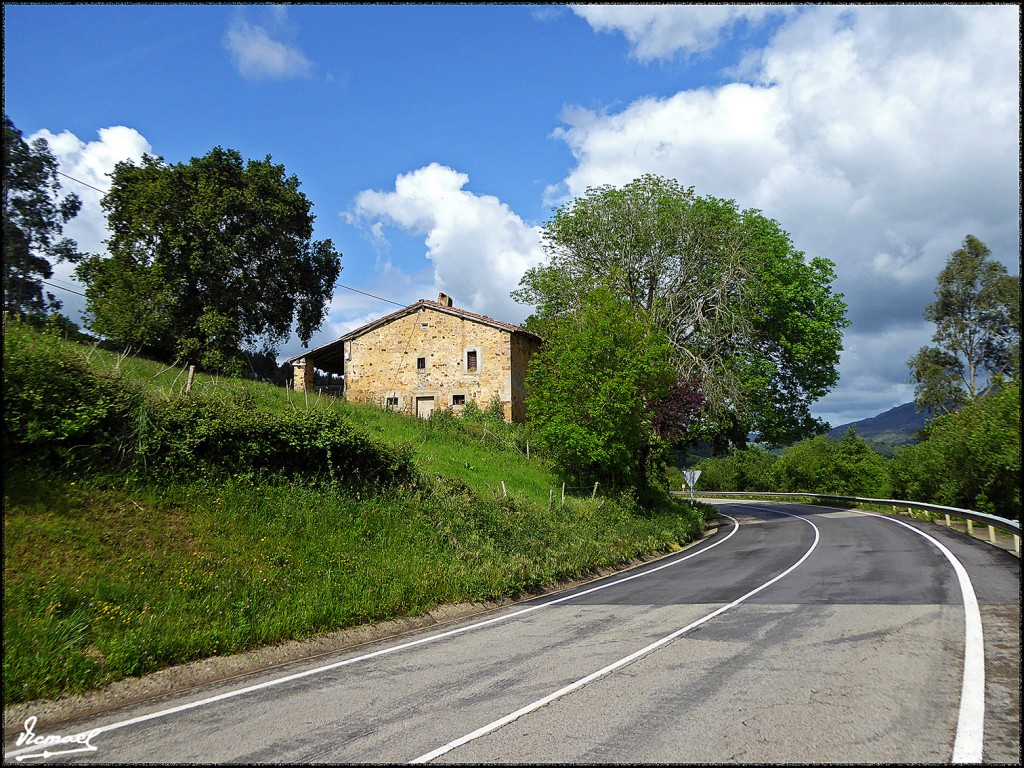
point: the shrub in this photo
(197, 436)
(970, 459)
(747, 469)
(917, 474)
(848, 467)
(61, 412)
(58, 411)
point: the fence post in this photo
(503, 491)
(563, 494)
(191, 378)
(595, 491)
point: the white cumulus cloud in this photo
(478, 246)
(89, 164)
(878, 136)
(660, 31)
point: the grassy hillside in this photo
(122, 557)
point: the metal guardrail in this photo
(992, 521)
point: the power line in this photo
(379, 298)
(346, 287)
(61, 287)
(90, 186)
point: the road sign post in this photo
(691, 476)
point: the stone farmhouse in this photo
(427, 356)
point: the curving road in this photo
(793, 634)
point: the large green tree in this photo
(208, 260)
(34, 217)
(847, 467)
(976, 313)
(748, 318)
(602, 393)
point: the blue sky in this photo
(434, 140)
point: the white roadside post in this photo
(691, 476)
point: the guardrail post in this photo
(992, 534)
(970, 527)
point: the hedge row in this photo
(60, 412)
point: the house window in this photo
(421, 363)
(392, 402)
(458, 399)
(471, 365)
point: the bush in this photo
(62, 413)
(589, 393)
(917, 474)
(970, 459)
(196, 436)
(58, 411)
(848, 467)
(747, 469)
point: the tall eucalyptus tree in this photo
(976, 313)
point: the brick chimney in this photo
(444, 299)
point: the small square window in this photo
(421, 363)
(471, 361)
(392, 402)
(458, 399)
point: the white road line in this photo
(970, 728)
(495, 725)
(385, 651)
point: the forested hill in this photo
(894, 427)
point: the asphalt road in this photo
(793, 634)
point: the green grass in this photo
(110, 575)
(101, 582)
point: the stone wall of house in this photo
(382, 365)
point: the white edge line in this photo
(382, 652)
(499, 723)
(970, 728)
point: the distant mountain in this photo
(896, 426)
